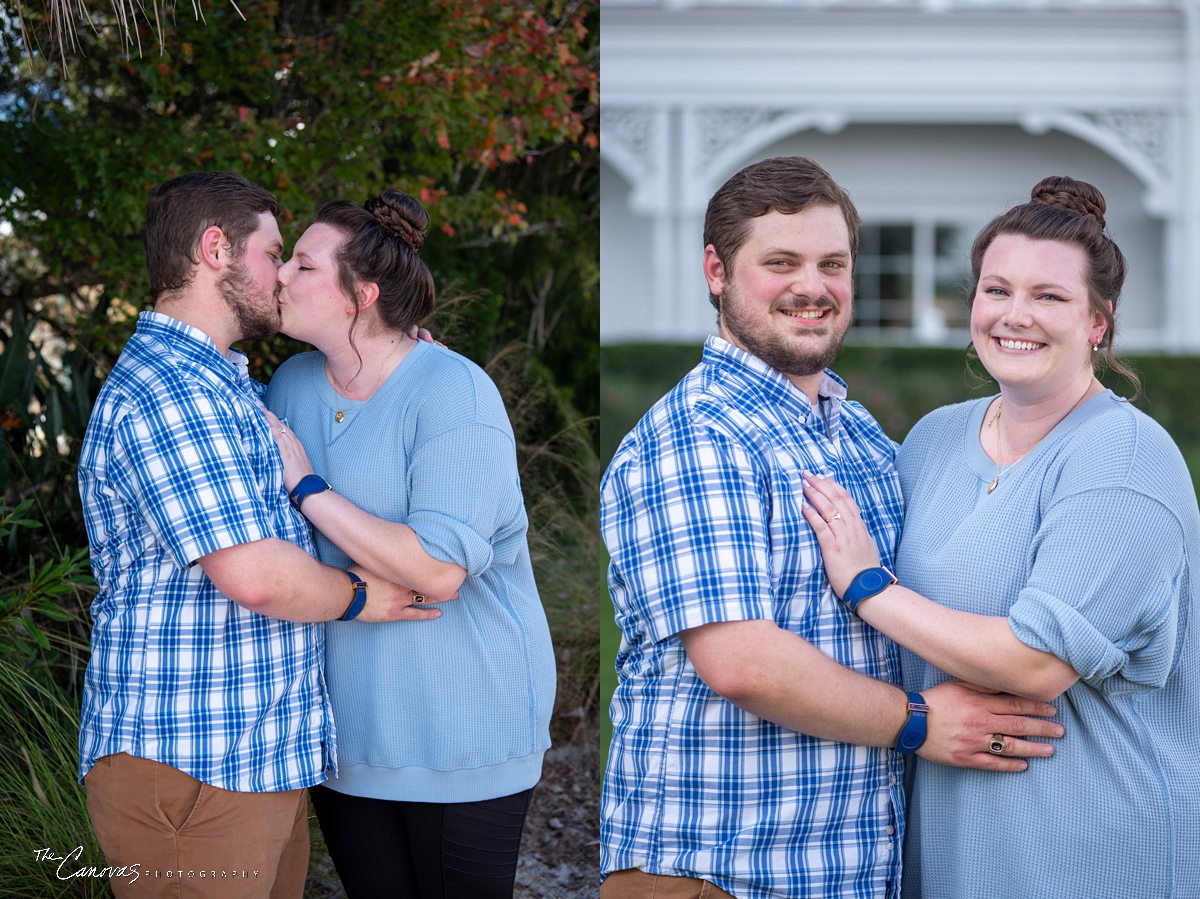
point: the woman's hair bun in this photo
(1067, 193)
(400, 215)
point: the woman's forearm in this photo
(981, 649)
(386, 548)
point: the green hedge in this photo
(898, 385)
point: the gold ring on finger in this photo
(418, 598)
(833, 517)
(996, 746)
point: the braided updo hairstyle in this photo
(382, 239)
(1071, 212)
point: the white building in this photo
(936, 115)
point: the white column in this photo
(928, 325)
(1187, 289)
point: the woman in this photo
(1054, 529)
(440, 729)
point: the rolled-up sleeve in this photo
(465, 496)
(1104, 592)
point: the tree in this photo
(484, 110)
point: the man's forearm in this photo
(279, 579)
(778, 676)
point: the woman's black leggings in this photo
(422, 850)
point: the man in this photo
(205, 713)
(755, 717)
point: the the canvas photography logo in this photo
(71, 865)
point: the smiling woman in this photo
(1035, 331)
(1055, 530)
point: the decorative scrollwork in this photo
(719, 128)
(1150, 132)
(635, 130)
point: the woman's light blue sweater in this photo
(1090, 546)
(457, 709)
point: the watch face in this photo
(909, 740)
(872, 580)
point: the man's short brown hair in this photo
(180, 210)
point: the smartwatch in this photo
(309, 484)
(865, 585)
(360, 599)
(912, 735)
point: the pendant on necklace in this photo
(991, 486)
(339, 418)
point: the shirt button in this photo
(890, 829)
(893, 780)
(889, 847)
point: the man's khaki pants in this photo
(172, 836)
(634, 884)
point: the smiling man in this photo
(755, 719)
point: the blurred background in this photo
(936, 115)
(486, 112)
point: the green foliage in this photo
(42, 649)
(485, 111)
(44, 390)
(42, 807)
(21, 637)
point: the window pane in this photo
(895, 314)
(883, 282)
(952, 272)
(896, 240)
(868, 241)
(952, 241)
(895, 287)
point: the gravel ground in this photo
(560, 849)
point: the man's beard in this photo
(776, 349)
(257, 313)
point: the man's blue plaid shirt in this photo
(178, 462)
(700, 510)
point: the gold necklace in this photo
(340, 415)
(1011, 465)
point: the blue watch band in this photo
(865, 585)
(912, 735)
(360, 598)
(309, 484)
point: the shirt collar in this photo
(194, 345)
(754, 372)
